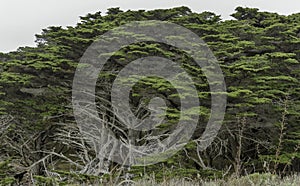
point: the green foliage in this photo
(40, 180)
(7, 181)
(259, 56)
(6, 169)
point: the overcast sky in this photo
(22, 19)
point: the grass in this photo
(251, 180)
(256, 179)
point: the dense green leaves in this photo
(259, 53)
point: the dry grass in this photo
(251, 180)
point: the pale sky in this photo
(22, 19)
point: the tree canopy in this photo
(259, 54)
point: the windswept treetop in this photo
(259, 53)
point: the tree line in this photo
(258, 53)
